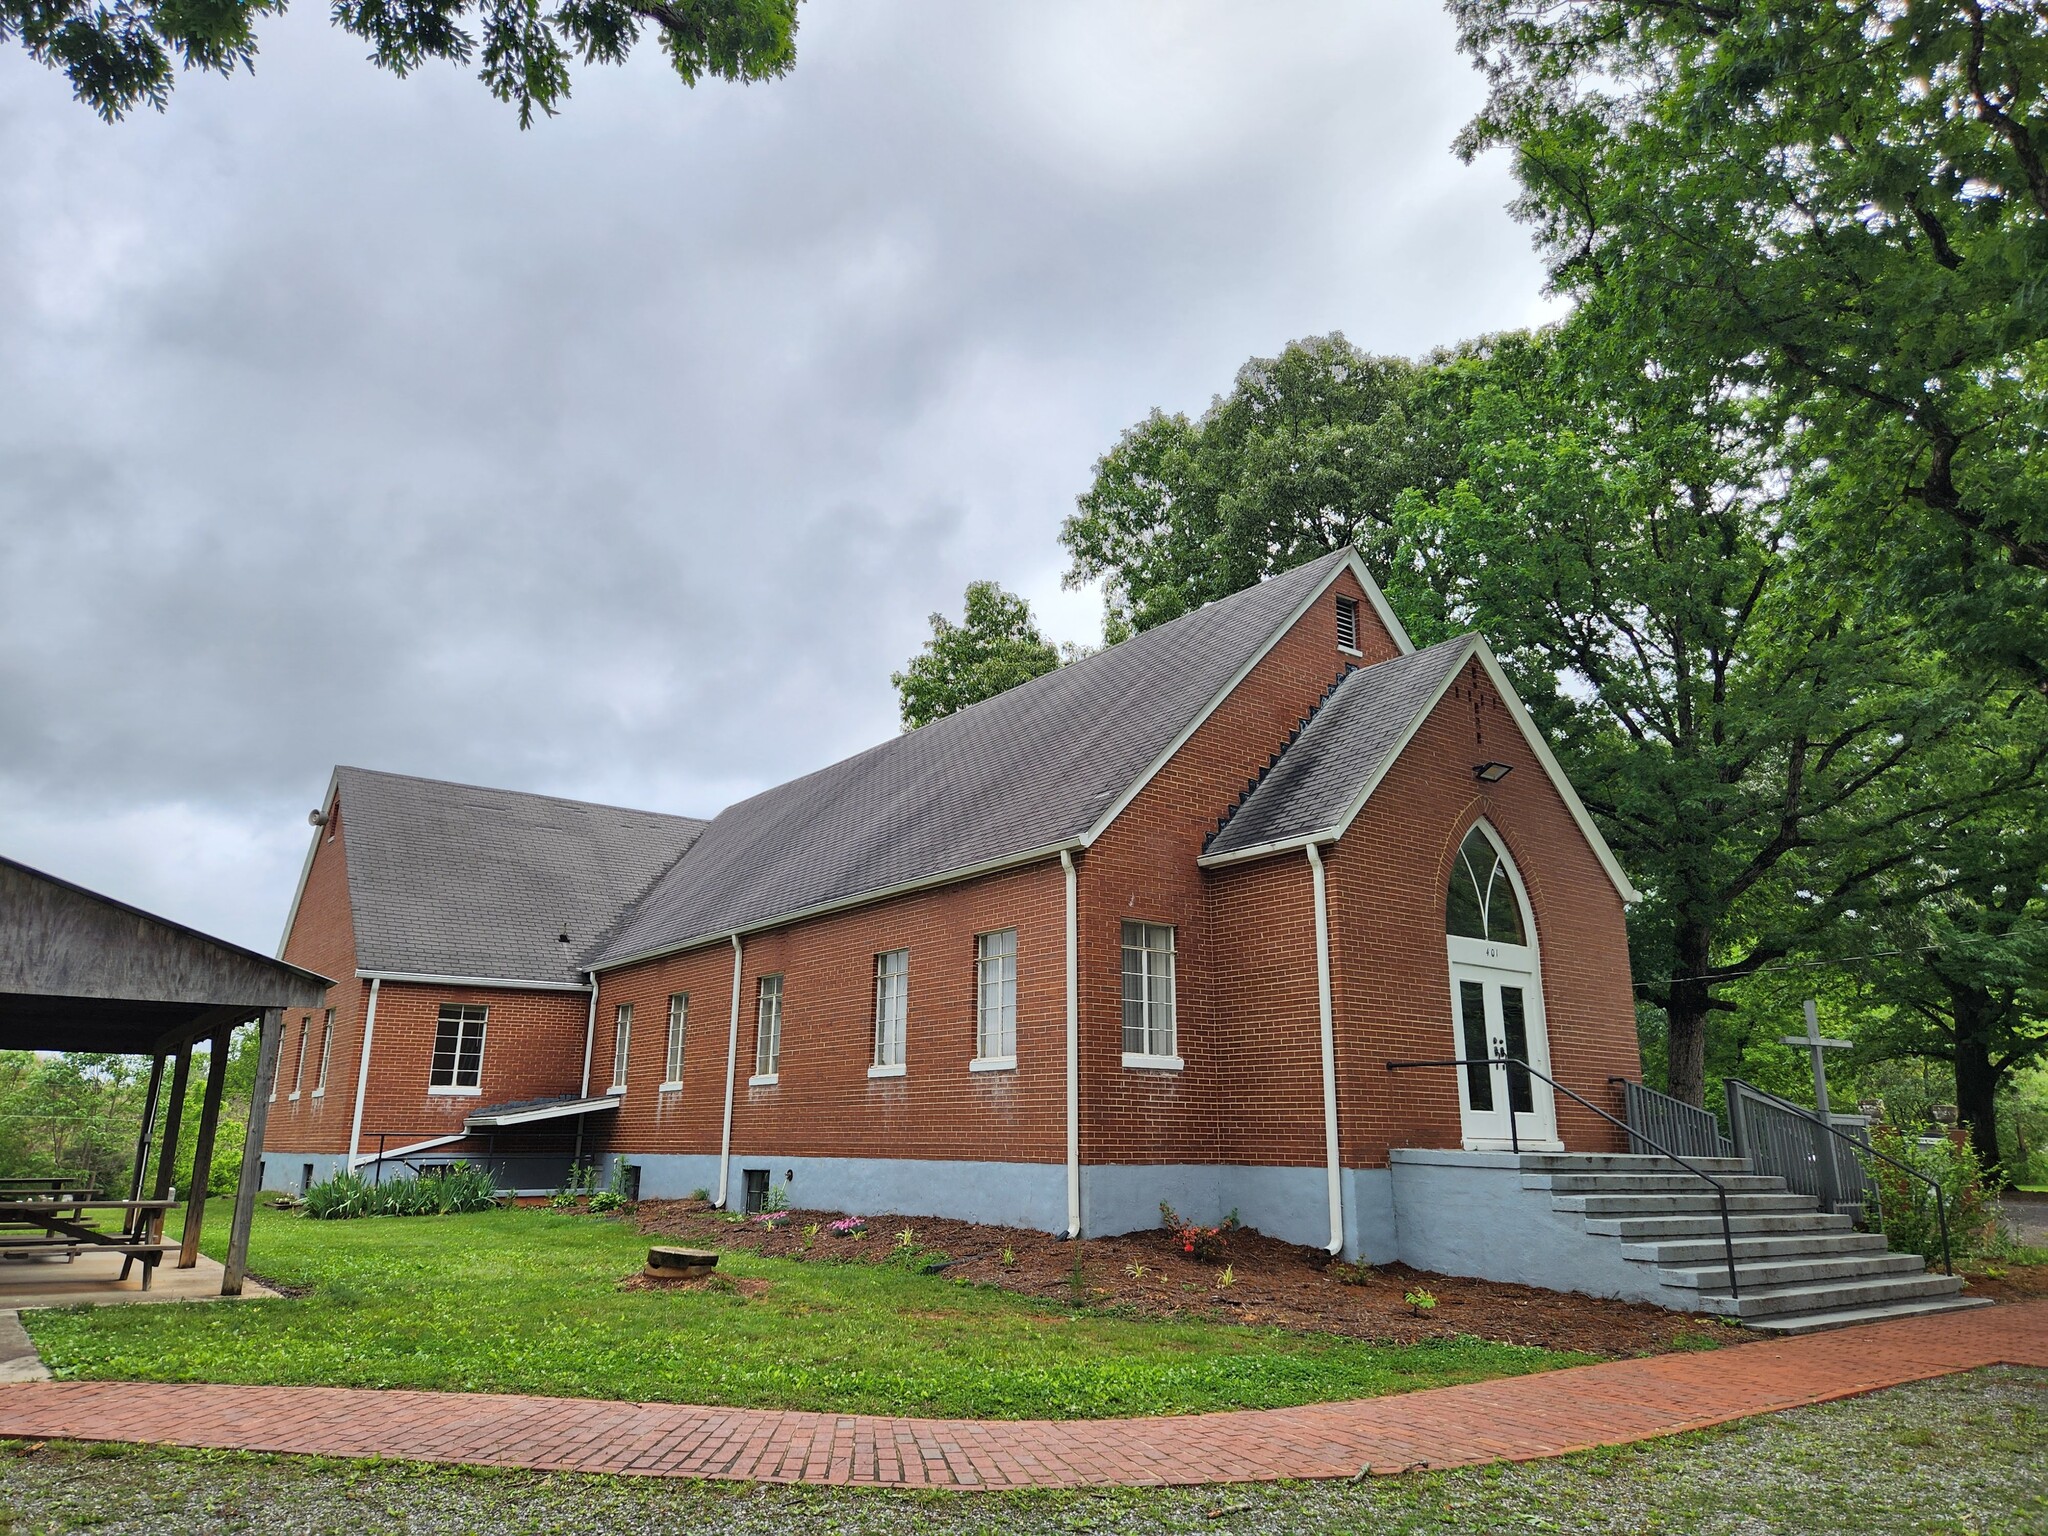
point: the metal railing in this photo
(1657, 1116)
(1816, 1158)
(1508, 1065)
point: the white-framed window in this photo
(678, 1021)
(299, 1071)
(622, 1045)
(995, 999)
(1148, 996)
(768, 1032)
(1347, 624)
(892, 1011)
(326, 1053)
(458, 1049)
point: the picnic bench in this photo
(63, 1226)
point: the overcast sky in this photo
(340, 421)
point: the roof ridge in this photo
(523, 794)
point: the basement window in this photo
(1347, 624)
(458, 1049)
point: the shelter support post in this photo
(147, 1136)
(174, 1116)
(252, 1153)
(202, 1154)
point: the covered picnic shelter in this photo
(82, 972)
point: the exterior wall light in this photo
(1491, 773)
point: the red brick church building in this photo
(1150, 927)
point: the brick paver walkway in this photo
(1518, 1419)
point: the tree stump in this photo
(680, 1263)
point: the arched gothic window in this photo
(1481, 903)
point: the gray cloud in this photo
(340, 421)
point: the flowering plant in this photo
(849, 1226)
(774, 1221)
(1198, 1242)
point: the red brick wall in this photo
(825, 1104)
(1392, 979)
(1144, 868)
(322, 939)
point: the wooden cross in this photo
(1815, 1044)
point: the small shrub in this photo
(613, 1196)
(340, 1198)
(1206, 1244)
(1906, 1210)
(701, 1194)
(1353, 1274)
(1421, 1302)
(777, 1199)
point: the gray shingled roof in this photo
(1032, 768)
(1350, 740)
(453, 880)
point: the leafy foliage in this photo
(1841, 210)
(455, 1190)
(1906, 1207)
(119, 57)
(995, 649)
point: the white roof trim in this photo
(291, 920)
(927, 882)
(406, 1151)
(1479, 649)
(1377, 598)
(485, 1120)
(474, 981)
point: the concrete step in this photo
(1821, 1296)
(1815, 1322)
(1650, 1183)
(1766, 1273)
(1642, 1228)
(1682, 1205)
(1621, 1162)
(1702, 1251)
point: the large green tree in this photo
(997, 647)
(122, 56)
(1842, 206)
(1308, 452)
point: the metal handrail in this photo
(1812, 1117)
(1515, 1140)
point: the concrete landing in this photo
(93, 1280)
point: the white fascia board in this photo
(291, 919)
(505, 982)
(1378, 599)
(842, 904)
(407, 1151)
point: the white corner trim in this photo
(1379, 606)
(764, 1079)
(896, 1069)
(1138, 1062)
(993, 1064)
(1073, 1042)
(355, 1130)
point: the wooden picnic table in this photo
(64, 1225)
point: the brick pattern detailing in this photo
(1251, 785)
(1519, 1419)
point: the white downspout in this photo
(732, 1061)
(589, 1035)
(1329, 1031)
(1073, 1048)
(355, 1130)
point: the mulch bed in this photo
(2010, 1282)
(1274, 1284)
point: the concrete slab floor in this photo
(93, 1280)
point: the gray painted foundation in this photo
(285, 1171)
(1466, 1213)
(1292, 1204)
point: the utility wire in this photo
(1790, 965)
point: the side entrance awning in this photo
(532, 1111)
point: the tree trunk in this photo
(1976, 1077)
(1685, 1038)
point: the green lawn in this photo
(528, 1301)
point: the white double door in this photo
(1497, 1011)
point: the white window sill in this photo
(1140, 1063)
(319, 1093)
(764, 1079)
(894, 1069)
(1352, 651)
(674, 1087)
(292, 1095)
(455, 1093)
(616, 1088)
(993, 1064)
